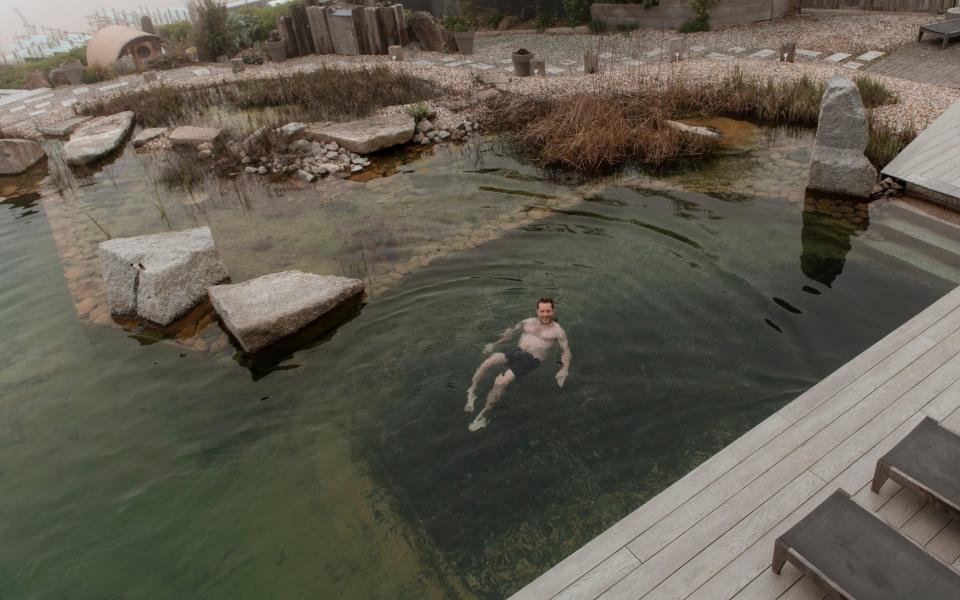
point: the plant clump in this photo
(358, 93)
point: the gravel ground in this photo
(919, 103)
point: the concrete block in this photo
(319, 29)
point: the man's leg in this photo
(497, 358)
(499, 385)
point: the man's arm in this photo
(565, 357)
(507, 334)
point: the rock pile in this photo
(306, 160)
(838, 165)
(428, 134)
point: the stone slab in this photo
(148, 135)
(765, 53)
(16, 156)
(365, 135)
(189, 135)
(62, 128)
(719, 56)
(737, 50)
(343, 33)
(263, 311)
(837, 57)
(852, 65)
(319, 29)
(869, 56)
(809, 53)
(97, 138)
(162, 276)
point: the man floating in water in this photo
(539, 335)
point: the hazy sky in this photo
(63, 14)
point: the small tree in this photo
(212, 32)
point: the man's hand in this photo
(488, 348)
(561, 377)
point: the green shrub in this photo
(459, 24)
(418, 110)
(577, 11)
(701, 17)
(544, 22)
(15, 76)
(212, 32)
(493, 21)
(177, 32)
(256, 23)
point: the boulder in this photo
(837, 164)
(148, 135)
(366, 135)
(426, 32)
(160, 277)
(194, 136)
(16, 156)
(264, 310)
(96, 138)
(62, 128)
(36, 80)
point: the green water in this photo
(155, 471)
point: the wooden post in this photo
(788, 52)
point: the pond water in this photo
(696, 304)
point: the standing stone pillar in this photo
(285, 25)
(146, 24)
(304, 41)
(319, 30)
(371, 30)
(838, 165)
(401, 24)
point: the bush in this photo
(577, 11)
(597, 26)
(15, 76)
(418, 110)
(459, 24)
(543, 22)
(256, 23)
(178, 32)
(212, 33)
(701, 18)
(493, 21)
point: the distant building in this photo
(35, 46)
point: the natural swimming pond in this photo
(347, 471)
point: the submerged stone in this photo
(16, 156)
(160, 277)
(262, 311)
(366, 135)
(97, 138)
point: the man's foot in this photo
(471, 398)
(479, 423)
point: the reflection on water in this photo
(344, 467)
(828, 228)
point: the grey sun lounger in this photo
(851, 553)
(926, 461)
(947, 29)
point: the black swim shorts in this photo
(521, 362)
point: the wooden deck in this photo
(710, 535)
(930, 164)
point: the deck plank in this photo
(945, 403)
(926, 524)
(601, 577)
(946, 544)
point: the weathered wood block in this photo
(285, 25)
(343, 33)
(389, 32)
(401, 24)
(319, 30)
(359, 29)
(304, 41)
(371, 30)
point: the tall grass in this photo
(886, 142)
(327, 94)
(607, 128)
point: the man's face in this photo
(545, 313)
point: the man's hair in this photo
(546, 301)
